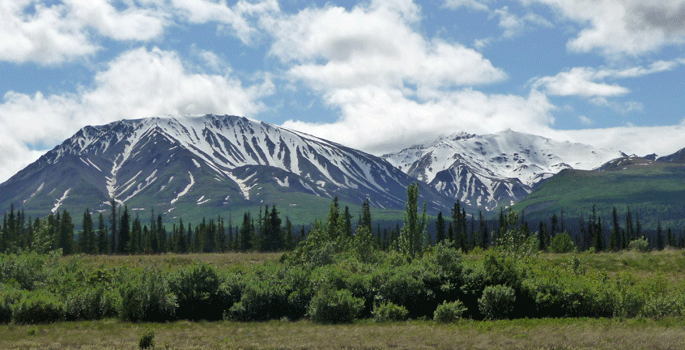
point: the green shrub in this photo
(497, 301)
(404, 286)
(28, 269)
(562, 243)
(196, 289)
(261, 300)
(640, 245)
(147, 340)
(147, 298)
(38, 307)
(449, 312)
(7, 298)
(388, 311)
(661, 307)
(329, 306)
(92, 303)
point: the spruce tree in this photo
(413, 239)
(439, 229)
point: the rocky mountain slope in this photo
(205, 165)
(498, 169)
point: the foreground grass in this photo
(514, 334)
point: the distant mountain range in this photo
(494, 170)
(203, 166)
(196, 167)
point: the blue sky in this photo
(378, 75)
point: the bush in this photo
(449, 312)
(261, 300)
(196, 289)
(329, 306)
(92, 303)
(147, 298)
(38, 307)
(661, 307)
(7, 298)
(147, 340)
(388, 311)
(640, 245)
(562, 243)
(497, 301)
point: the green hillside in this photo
(656, 191)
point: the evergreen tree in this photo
(90, 246)
(484, 237)
(670, 239)
(160, 233)
(66, 234)
(659, 237)
(124, 232)
(103, 246)
(182, 238)
(289, 243)
(347, 228)
(439, 229)
(245, 242)
(412, 240)
(113, 225)
(135, 244)
(365, 216)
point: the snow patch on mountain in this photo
(185, 190)
(60, 200)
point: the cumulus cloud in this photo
(514, 24)
(622, 27)
(391, 84)
(374, 44)
(380, 120)
(236, 16)
(629, 139)
(137, 84)
(480, 5)
(52, 32)
(579, 81)
(589, 82)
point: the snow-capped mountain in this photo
(209, 163)
(489, 170)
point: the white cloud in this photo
(380, 120)
(629, 139)
(133, 23)
(622, 27)
(579, 81)
(585, 120)
(44, 37)
(588, 82)
(203, 11)
(514, 24)
(479, 5)
(137, 84)
(52, 32)
(334, 48)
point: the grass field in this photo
(511, 334)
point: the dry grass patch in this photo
(218, 260)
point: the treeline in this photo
(120, 233)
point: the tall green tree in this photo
(413, 237)
(440, 229)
